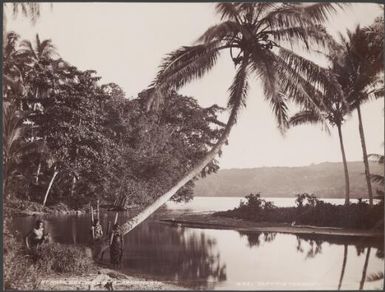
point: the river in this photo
(225, 259)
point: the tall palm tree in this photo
(257, 36)
(356, 69)
(359, 67)
(332, 112)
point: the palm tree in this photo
(29, 10)
(257, 36)
(41, 51)
(359, 68)
(355, 67)
(331, 111)
(14, 147)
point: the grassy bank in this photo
(310, 211)
(24, 269)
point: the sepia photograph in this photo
(193, 146)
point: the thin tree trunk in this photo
(343, 266)
(347, 184)
(38, 172)
(365, 156)
(49, 186)
(365, 269)
(73, 186)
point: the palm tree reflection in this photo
(365, 269)
(343, 266)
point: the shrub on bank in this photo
(19, 270)
(60, 258)
(24, 269)
(310, 211)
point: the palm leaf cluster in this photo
(258, 37)
(355, 75)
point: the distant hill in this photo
(325, 180)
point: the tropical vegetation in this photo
(310, 211)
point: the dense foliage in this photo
(310, 211)
(72, 140)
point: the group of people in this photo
(116, 240)
(37, 236)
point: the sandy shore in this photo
(98, 280)
(207, 220)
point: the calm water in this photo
(225, 259)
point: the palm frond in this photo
(228, 10)
(279, 106)
(321, 78)
(297, 88)
(377, 178)
(320, 12)
(182, 66)
(375, 277)
(239, 87)
(308, 117)
(26, 47)
(377, 158)
(225, 30)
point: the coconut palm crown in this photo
(257, 36)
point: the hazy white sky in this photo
(125, 42)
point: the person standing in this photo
(116, 247)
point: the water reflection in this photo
(182, 255)
(222, 259)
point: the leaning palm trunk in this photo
(135, 221)
(343, 266)
(49, 186)
(365, 156)
(347, 184)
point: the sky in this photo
(125, 43)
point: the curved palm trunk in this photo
(147, 212)
(343, 266)
(49, 186)
(132, 223)
(347, 184)
(365, 156)
(365, 269)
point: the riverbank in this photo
(208, 220)
(17, 207)
(99, 279)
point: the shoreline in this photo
(98, 280)
(206, 220)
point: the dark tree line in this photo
(67, 138)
